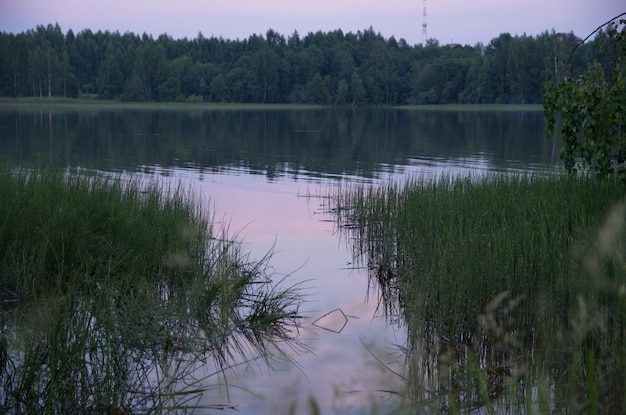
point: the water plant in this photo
(511, 288)
(120, 297)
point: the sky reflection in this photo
(285, 215)
(278, 216)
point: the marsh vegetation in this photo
(138, 298)
(512, 289)
(121, 297)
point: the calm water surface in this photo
(260, 173)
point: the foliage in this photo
(592, 110)
(362, 68)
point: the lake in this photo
(264, 173)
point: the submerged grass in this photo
(512, 288)
(116, 295)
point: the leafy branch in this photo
(591, 112)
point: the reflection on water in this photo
(279, 215)
(260, 172)
(294, 145)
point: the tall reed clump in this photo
(505, 284)
(116, 294)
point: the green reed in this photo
(504, 283)
(116, 295)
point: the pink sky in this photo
(458, 21)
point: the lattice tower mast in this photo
(424, 23)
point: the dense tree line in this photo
(333, 68)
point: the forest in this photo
(328, 68)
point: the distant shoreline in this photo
(82, 103)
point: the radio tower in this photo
(424, 23)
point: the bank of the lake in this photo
(100, 104)
(512, 288)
